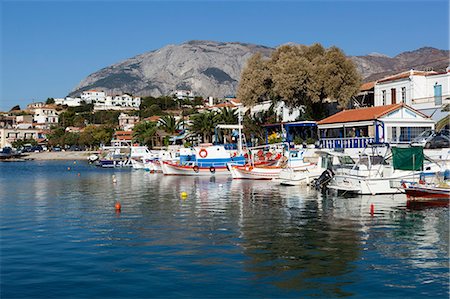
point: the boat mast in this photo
(240, 130)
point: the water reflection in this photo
(236, 236)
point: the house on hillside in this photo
(45, 117)
(127, 122)
(355, 128)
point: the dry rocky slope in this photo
(213, 68)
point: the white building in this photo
(71, 102)
(93, 96)
(355, 128)
(427, 92)
(118, 102)
(45, 117)
(284, 113)
(184, 94)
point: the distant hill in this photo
(213, 68)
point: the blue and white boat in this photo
(203, 161)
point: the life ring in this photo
(212, 169)
(203, 153)
(195, 168)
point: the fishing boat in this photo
(139, 155)
(265, 171)
(114, 157)
(202, 161)
(374, 174)
(327, 160)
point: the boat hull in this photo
(174, 169)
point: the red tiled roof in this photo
(367, 86)
(153, 118)
(361, 114)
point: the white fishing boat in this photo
(292, 159)
(290, 176)
(202, 161)
(373, 174)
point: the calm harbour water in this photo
(61, 238)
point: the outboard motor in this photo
(323, 180)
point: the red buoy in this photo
(372, 208)
(118, 206)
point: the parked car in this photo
(77, 148)
(441, 140)
(423, 137)
(56, 149)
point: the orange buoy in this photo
(118, 206)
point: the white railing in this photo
(352, 142)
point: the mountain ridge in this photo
(212, 68)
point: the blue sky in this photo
(48, 47)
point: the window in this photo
(393, 96)
(404, 94)
(383, 96)
(437, 94)
(409, 133)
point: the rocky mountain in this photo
(213, 68)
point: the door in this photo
(393, 96)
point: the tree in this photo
(256, 83)
(253, 125)
(300, 76)
(204, 124)
(15, 108)
(169, 124)
(50, 101)
(143, 132)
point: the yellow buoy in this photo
(184, 195)
(74, 162)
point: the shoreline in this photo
(67, 155)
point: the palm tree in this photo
(169, 124)
(253, 125)
(204, 124)
(227, 116)
(143, 132)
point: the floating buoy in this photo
(372, 208)
(78, 174)
(68, 168)
(114, 179)
(184, 195)
(74, 162)
(118, 206)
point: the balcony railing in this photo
(353, 142)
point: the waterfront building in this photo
(355, 128)
(122, 138)
(425, 91)
(127, 122)
(9, 135)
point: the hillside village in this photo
(95, 118)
